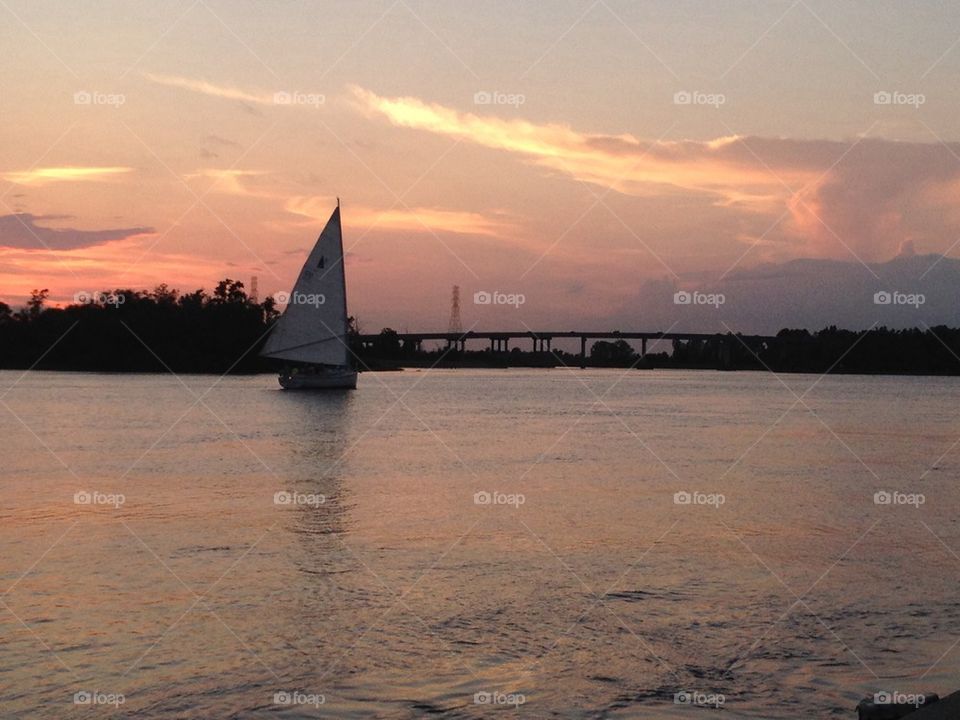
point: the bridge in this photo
(542, 341)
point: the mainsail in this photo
(313, 328)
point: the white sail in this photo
(313, 328)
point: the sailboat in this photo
(311, 335)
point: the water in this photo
(587, 589)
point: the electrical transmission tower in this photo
(456, 325)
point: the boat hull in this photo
(328, 380)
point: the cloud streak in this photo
(229, 181)
(415, 220)
(206, 88)
(621, 162)
(24, 231)
(835, 198)
(48, 175)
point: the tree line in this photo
(223, 331)
(140, 331)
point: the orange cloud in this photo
(828, 198)
(205, 88)
(101, 267)
(620, 162)
(229, 181)
(418, 219)
(45, 176)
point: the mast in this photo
(343, 282)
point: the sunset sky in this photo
(593, 156)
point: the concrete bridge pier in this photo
(583, 352)
(725, 352)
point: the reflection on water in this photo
(447, 542)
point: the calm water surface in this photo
(583, 586)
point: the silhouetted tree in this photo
(163, 295)
(229, 291)
(612, 353)
(35, 304)
(388, 343)
(130, 330)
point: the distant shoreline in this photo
(411, 368)
(223, 332)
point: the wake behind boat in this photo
(311, 335)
